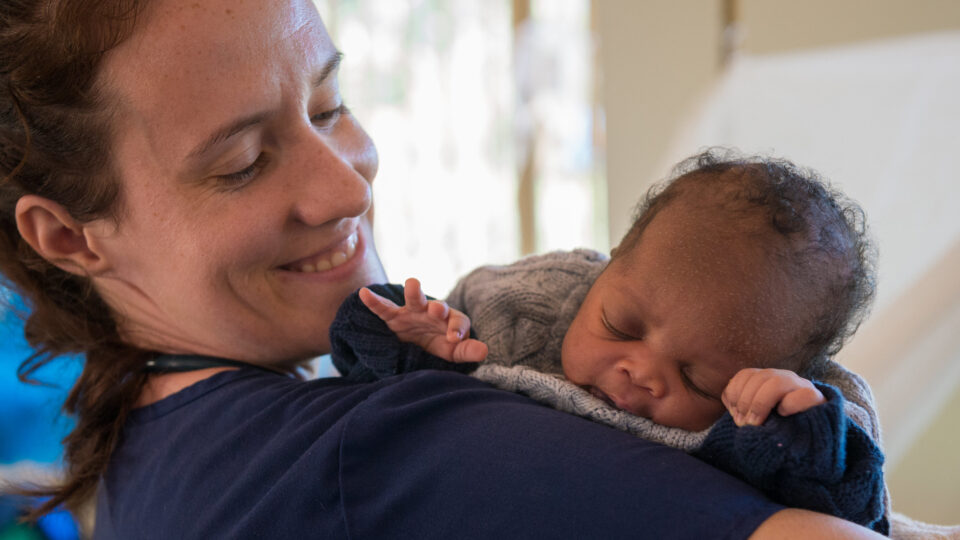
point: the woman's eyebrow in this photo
(329, 67)
(226, 132)
(231, 129)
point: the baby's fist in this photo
(752, 393)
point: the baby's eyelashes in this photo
(617, 333)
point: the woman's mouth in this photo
(328, 259)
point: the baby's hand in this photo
(752, 393)
(431, 325)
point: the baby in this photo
(736, 277)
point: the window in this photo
(483, 113)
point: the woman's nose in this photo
(645, 373)
(335, 177)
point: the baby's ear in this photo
(57, 237)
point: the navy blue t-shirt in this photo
(250, 454)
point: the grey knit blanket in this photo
(561, 394)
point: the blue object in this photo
(59, 525)
(31, 426)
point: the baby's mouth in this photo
(328, 259)
(597, 393)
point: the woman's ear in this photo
(57, 237)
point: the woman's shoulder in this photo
(528, 469)
(229, 454)
(395, 458)
(223, 389)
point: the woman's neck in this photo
(162, 385)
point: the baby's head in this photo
(734, 263)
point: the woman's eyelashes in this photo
(324, 120)
(329, 118)
(244, 175)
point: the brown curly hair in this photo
(54, 142)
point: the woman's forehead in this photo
(190, 66)
(179, 34)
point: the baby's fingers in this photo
(801, 399)
(753, 393)
(413, 296)
(438, 309)
(380, 306)
(768, 393)
(733, 390)
(458, 326)
(470, 350)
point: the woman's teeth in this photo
(330, 260)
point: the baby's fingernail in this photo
(753, 419)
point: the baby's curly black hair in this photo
(828, 255)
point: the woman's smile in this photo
(329, 258)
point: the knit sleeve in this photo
(364, 349)
(817, 459)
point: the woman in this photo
(183, 184)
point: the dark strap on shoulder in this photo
(180, 363)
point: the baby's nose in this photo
(646, 375)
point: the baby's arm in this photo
(808, 456)
(752, 393)
(428, 324)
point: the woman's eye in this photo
(247, 173)
(329, 118)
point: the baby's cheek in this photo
(567, 352)
(571, 369)
(706, 414)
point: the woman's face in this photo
(246, 185)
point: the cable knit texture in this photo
(522, 311)
(559, 393)
(815, 459)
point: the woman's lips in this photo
(328, 259)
